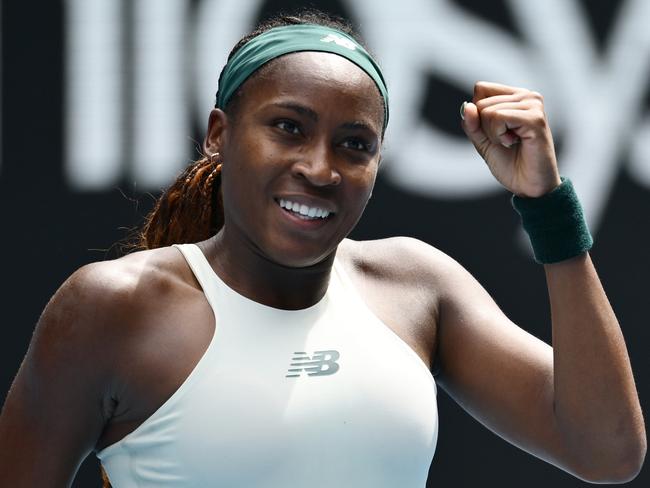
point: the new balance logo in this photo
(322, 363)
(341, 41)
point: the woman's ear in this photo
(215, 135)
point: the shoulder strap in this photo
(201, 268)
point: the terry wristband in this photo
(555, 224)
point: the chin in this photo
(299, 256)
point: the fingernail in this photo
(462, 110)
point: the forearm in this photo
(597, 429)
(596, 405)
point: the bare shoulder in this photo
(401, 259)
(71, 379)
(122, 283)
(103, 302)
(130, 276)
(104, 314)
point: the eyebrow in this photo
(301, 109)
(358, 124)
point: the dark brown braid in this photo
(189, 210)
(105, 481)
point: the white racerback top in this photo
(323, 397)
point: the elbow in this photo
(622, 473)
(617, 467)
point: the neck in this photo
(253, 275)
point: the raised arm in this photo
(56, 409)
(574, 405)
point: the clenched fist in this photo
(508, 127)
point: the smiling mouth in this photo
(304, 212)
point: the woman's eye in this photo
(288, 126)
(356, 144)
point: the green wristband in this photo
(555, 224)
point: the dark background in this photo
(48, 230)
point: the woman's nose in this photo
(318, 168)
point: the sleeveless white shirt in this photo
(322, 397)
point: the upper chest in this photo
(250, 346)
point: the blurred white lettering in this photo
(161, 116)
(125, 119)
(594, 103)
(593, 100)
(94, 93)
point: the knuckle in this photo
(487, 113)
(539, 119)
(479, 88)
(539, 104)
(482, 105)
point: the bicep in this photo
(52, 415)
(499, 373)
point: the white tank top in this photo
(323, 397)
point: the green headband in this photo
(294, 38)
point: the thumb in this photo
(471, 124)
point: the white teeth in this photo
(303, 210)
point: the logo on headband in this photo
(341, 41)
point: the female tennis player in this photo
(251, 344)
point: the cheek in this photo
(243, 168)
(362, 184)
(368, 176)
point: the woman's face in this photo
(306, 134)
